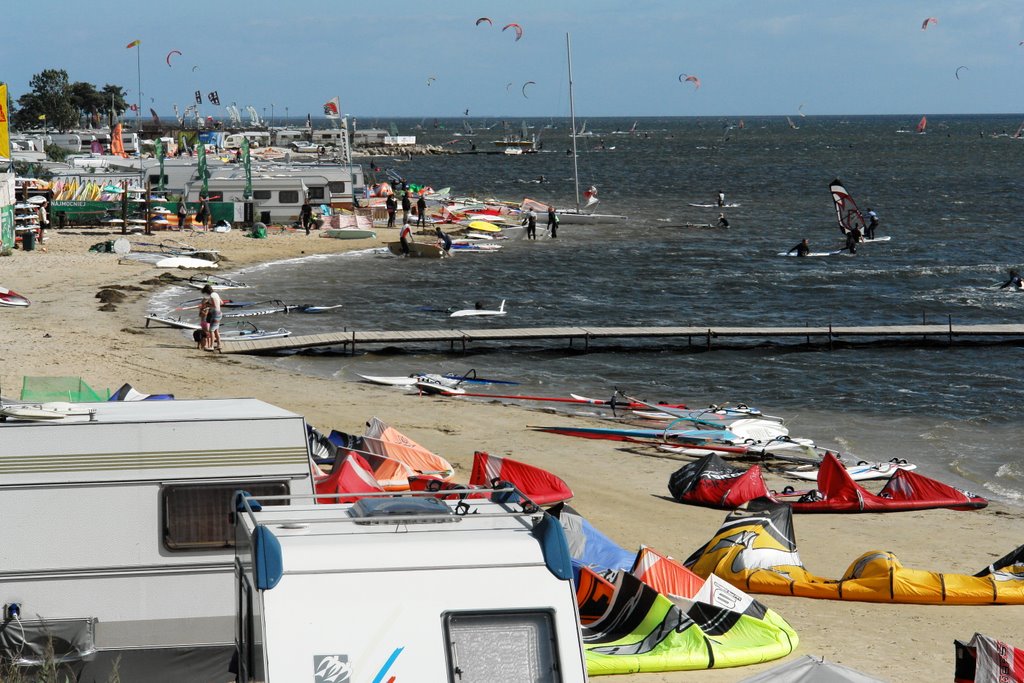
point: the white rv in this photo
(117, 538)
(405, 588)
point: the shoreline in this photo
(622, 493)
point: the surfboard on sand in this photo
(12, 298)
(184, 262)
(484, 226)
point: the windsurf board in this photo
(12, 298)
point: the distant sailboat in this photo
(922, 124)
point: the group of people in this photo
(530, 222)
(854, 236)
(202, 217)
(207, 337)
(391, 204)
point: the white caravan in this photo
(405, 587)
(117, 537)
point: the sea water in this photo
(951, 200)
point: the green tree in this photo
(88, 101)
(50, 96)
(113, 101)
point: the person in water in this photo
(853, 237)
(530, 221)
(443, 240)
(552, 222)
(721, 198)
(1015, 281)
(872, 224)
(723, 222)
(802, 249)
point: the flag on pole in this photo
(42, 117)
(5, 133)
(332, 108)
(134, 43)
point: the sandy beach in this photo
(623, 493)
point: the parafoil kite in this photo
(518, 29)
(168, 57)
(508, 85)
(683, 78)
(483, 19)
(929, 20)
(431, 79)
(195, 68)
(957, 72)
(524, 88)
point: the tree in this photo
(88, 101)
(113, 98)
(50, 96)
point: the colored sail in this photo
(847, 213)
(537, 484)
(922, 124)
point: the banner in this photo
(116, 143)
(204, 175)
(5, 132)
(247, 165)
(161, 154)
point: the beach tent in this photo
(539, 485)
(755, 550)
(808, 669)
(711, 482)
(987, 660)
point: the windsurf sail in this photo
(987, 659)
(922, 124)
(847, 213)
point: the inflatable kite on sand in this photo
(755, 550)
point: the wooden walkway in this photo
(461, 339)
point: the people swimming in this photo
(802, 249)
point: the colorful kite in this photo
(518, 30)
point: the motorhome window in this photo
(288, 197)
(316, 193)
(155, 179)
(261, 194)
(197, 516)
(501, 647)
(336, 187)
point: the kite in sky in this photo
(929, 20)
(524, 88)
(683, 78)
(518, 29)
(482, 20)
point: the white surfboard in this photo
(814, 253)
(859, 472)
(469, 312)
(184, 262)
(713, 206)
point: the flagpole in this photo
(138, 112)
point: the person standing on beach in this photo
(552, 222)
(213, 301)
(392, 206)
(530, 221)
(182, 214)
(405, 237)
(306, 216)
(204, 325)
(203, 214)
(406, 206)
(802, 249)
(421, 211)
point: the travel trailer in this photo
(117, 542)
(405, 587)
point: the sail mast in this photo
(572, 117)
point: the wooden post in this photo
(586, 343)
(148, 208)
(829, 335)
(709, 339)
(949, 318)
(806, 325)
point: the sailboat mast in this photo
(572, 121)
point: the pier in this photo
(581, 337)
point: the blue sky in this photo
(755, 57)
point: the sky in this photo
(752, 57)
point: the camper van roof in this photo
(161, 411)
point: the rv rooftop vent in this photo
(402, 511)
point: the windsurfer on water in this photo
(872, 224)
(723, 222)
(1015, 281)
(853, 236)
(802, 249)
(721, 199)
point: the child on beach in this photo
(202, 335)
